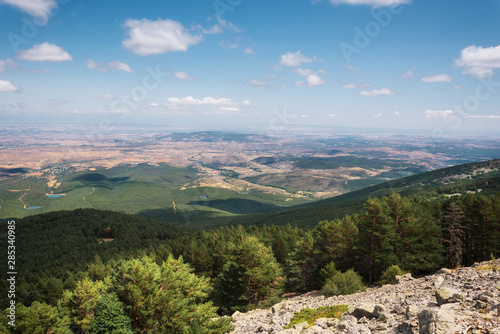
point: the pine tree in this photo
(40, 318)
(376, 241)
(250, 276)
(166, 298)
(110, 317)
(334, 241)
(454, 236)
(303, 266)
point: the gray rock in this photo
(405, 328)
(438, 281)
(364, 310)
(445, 271)
(314, 330)
(448, 295)
(411, 311)
(380, 311)
(403, 278)
(302, 325)
(436, 321)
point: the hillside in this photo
(480, 177)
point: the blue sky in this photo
(384, 64)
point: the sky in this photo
(403, 65)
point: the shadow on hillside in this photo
(237, 205)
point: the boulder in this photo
(444, 271)
(403, 278)
(448, 295)
(436, 321)
(364, 310)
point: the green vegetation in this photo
(309, 315)
(389, 275)
(153, 277)
(343, 284)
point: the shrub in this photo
(309, 315)
(343, 284)
(389, 275)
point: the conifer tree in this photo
(250, 276)
(303, 266)
(376, 240)
(166, 298)
(110, 317)
(454, 235)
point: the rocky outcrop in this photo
(466, 300)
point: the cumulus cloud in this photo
(377, 115)
(312, 78)
(45, 52)
(373, 3)
(438, 113)
(38, 8)
(478, 61)
(221, 104)
(249, 51)
(397, 113)
(458, 87)
(181, 75)
(7, 86)
(376, 92)
(147, 37)
(442, 77)
(295, 59)
(115, 64)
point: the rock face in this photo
(452, 301)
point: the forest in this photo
(91, 271)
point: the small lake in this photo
(55, 196)
(33, 207)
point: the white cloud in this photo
(106, 97)
(295, 59)
(259, 83)
(154, 105)
(458, 87)
(314, 80)
(181, 75)
(354, 85)
(483, 116)
(44, 52)
(38, 8)
(373, 3)
(221, 104)
(378, 115)
(226, 44)
(478, 61)
(376, 92)
(407, 75)
(7, 86)
(249, 51)
(438, 113)
(397, 113)
(147, 37)
(115, 64)
(442, 77)
(92, 65)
